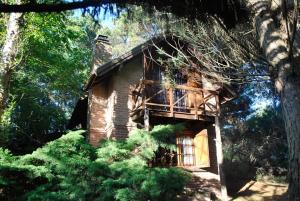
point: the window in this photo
(185, 151)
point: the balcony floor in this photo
(181, 115)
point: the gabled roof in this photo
(108, 67)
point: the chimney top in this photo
(102, 39)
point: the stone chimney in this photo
(101, 53)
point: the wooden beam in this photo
(147, 120)
(181, 115)
(218, 105)
(220, 159)
(171, 101)
(180, 99)
(160, 91)
(196, 105)
(157, 104)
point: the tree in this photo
(44, 88)
(8, 54)
(254, 136)
(133, 26)
(279, 40)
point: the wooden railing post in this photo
(217, 105)
(204, 103)
(146, 119)
(171, 101)
(196, 104)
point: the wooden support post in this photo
(171, 101)
(217, 105)
(146, 120)
(204, 104)
(196, 104)
(220, 159)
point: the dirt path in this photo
(262, 191)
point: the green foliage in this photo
(5, 156)
(2, 28)
(125, 33)
(260, 140)
(55, 167)
(70, 169)
(55, 56)
(131, 178)
(6, 125)
(133, 27)
(264, 175)
(254, 135)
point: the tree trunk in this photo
(8, 57)
(220, 159)
(273, 41)
(290, 98)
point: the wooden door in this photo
(201, 149)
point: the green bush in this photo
(6, 125)
(71, 169)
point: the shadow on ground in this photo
(262, 191)
(238, 174)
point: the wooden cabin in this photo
(134, 91)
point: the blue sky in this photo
(106, 19)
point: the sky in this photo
(106, 19)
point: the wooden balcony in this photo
(180, 101)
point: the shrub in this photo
(71, 169)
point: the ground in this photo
(203, 183)
(262, 191)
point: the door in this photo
(185, 149)
(201, 149)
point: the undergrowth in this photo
(71, 169)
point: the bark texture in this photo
(220, 159)
(274, 42)
(290, 97)
(8, 57)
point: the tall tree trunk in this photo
(290, 97)
(274, 42)
(8, 57)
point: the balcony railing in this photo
(180, 99)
